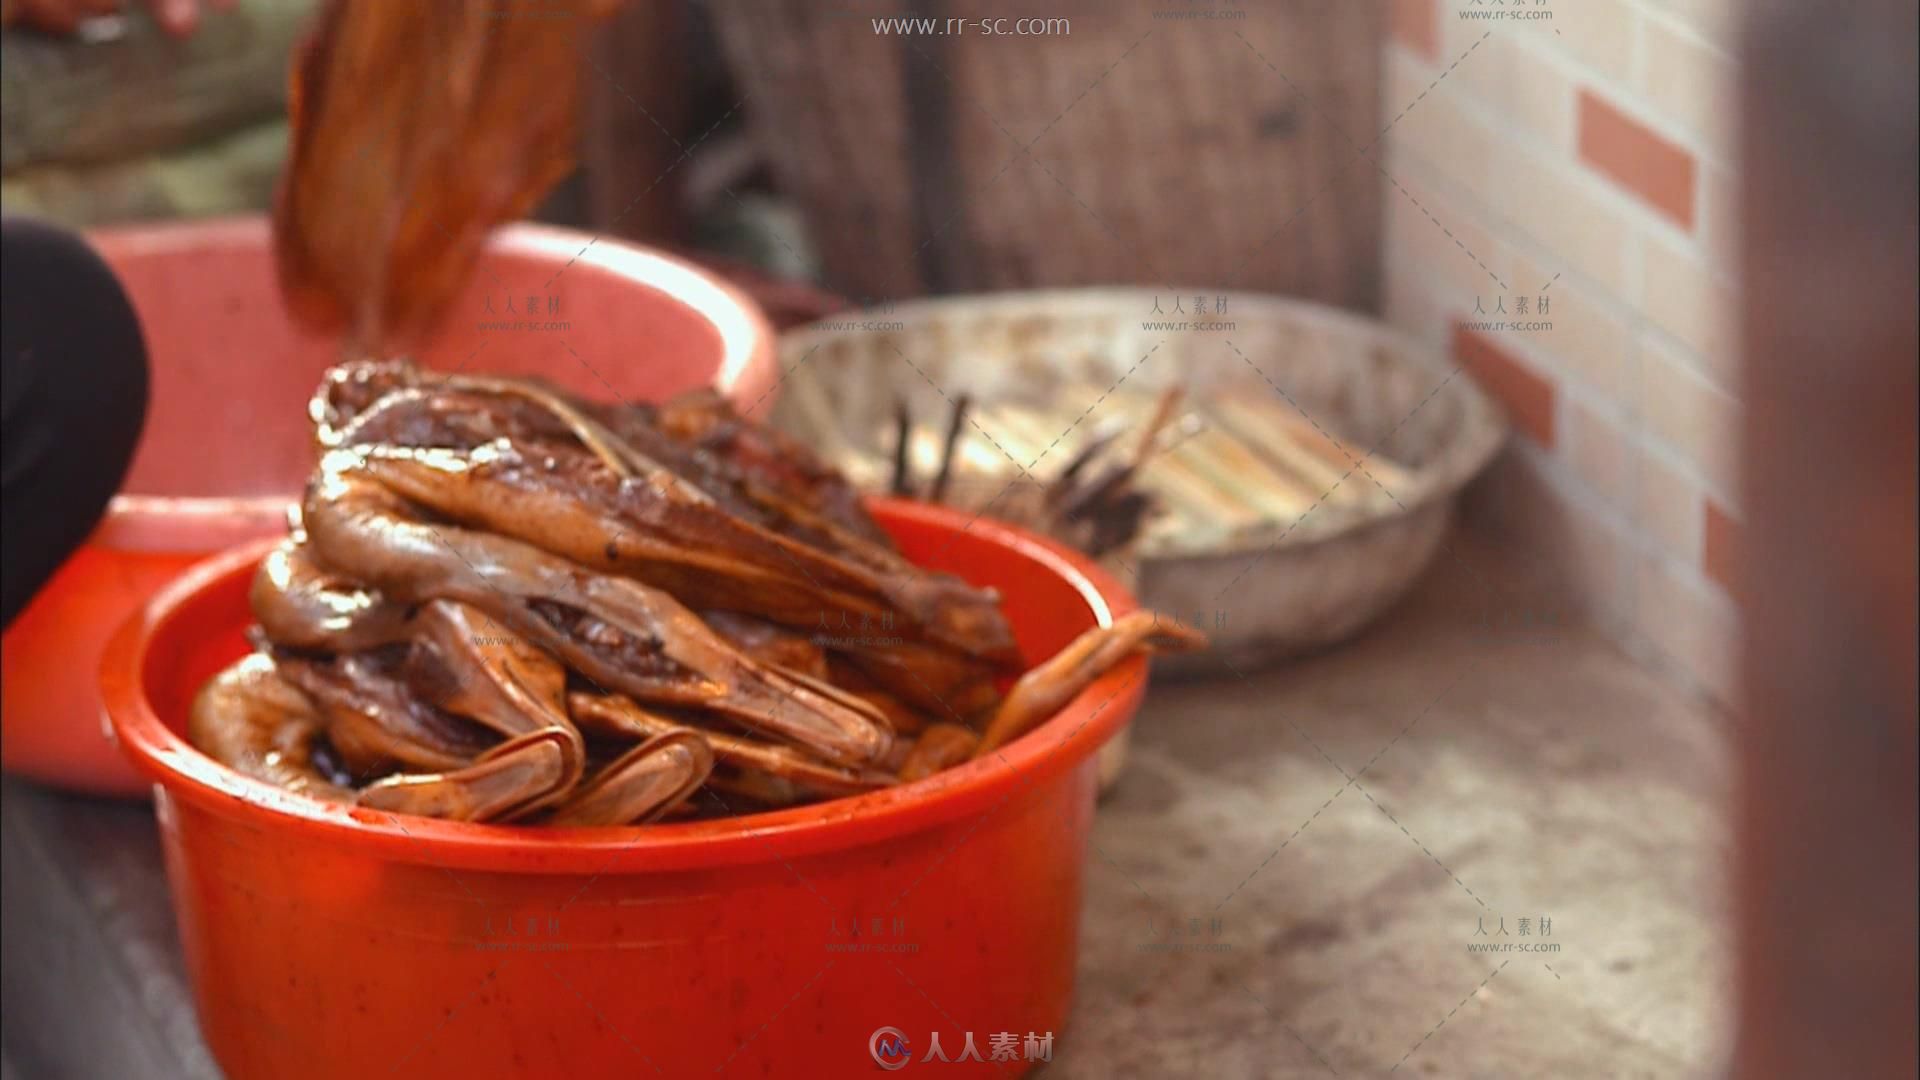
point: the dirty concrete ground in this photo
(1291, 876)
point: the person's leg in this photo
(73, 397)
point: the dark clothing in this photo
(73, 398)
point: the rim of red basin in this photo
(747, 374)
(982, 786)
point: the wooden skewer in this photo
(959, 417)
(902, 437)
(1078, 463)
(1162, 413)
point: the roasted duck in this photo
(417, 128)
(500, 603)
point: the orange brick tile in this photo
(1720, 545)
(1527, 396)
(1413, 26)
(1655, 170)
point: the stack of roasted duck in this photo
(500, 603)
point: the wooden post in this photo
(635, 123)
(1827, 818)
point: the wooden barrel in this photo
(1113, 144)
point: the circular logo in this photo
(888, 1045)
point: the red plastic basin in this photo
(227, 443)
(324, 941)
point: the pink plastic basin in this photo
(227, 442)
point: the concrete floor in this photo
(1290, 874)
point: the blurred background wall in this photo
(1586, 157)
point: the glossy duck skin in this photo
(302, 605)
(1041, 691)
(511, 780)
(642, 784)
(940, 746)
(464, 662)
(378, 409)
(618, 633)
(657, 529)
(457, 664)
(769, 465)
(485, 574)
(601, 486)
(617, 715)
(769, 643)
(938, 683)
(258, 717)
(375, 723)
(253, 720)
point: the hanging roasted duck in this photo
(416, 128)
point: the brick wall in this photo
(1584, 156)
